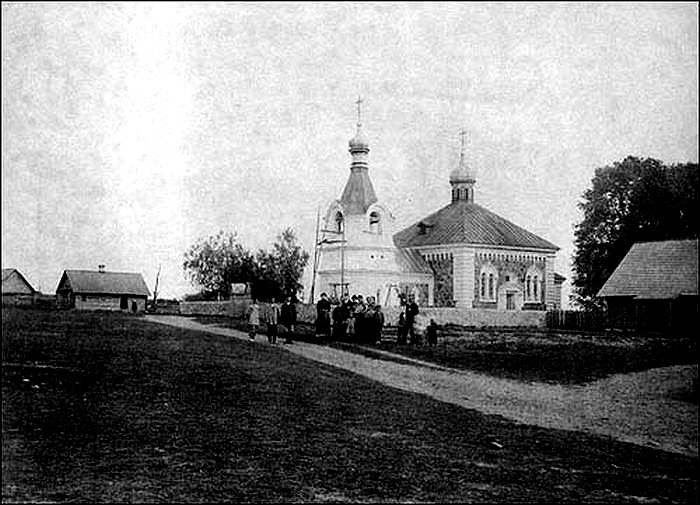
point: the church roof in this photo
(656, 270)
(359, 192)
(463, 222)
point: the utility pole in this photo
(316, 246)
(155, 289)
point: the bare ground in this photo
(641, 408)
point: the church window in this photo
(488, 276)
(529, 288)
(375, 222)
(339, 222)
(533, 288)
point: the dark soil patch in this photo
(134, 411)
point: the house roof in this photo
(108, 283)
(656, 270)
(463, 222)
(13, 282)
(359, 193)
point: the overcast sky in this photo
(130, 130)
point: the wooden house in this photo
(655, 287)
(101, 290)
(16, 290)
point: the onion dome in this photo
(359, 142)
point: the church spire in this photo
(462, 177)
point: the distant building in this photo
(16, 290)
(101, 290)
(655, 286)
(461, 256)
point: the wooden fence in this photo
(576, 320)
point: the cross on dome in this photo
(359, 142)
(359, 112)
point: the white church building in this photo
(462, 255)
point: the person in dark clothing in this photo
(401, 329)
(288, 318)
(340, 320)
(378, 323)
(431, 332)
(359, 315)
(411, 313)
(272, 315)
(369, 320)
(323, 317)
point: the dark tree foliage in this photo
(635, 200)
(218, 261)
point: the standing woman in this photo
(323, 317)
(288, 318)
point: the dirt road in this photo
(637, 408)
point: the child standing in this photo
(253, 319)
(432, 333)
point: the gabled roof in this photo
(358, 194)
(464, 222)
(108, 283)
(13, 282)
(656, 270)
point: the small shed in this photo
(655, 287)
(102, 290)
(16, 290)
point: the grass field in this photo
(107, 407)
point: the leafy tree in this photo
(631, 201)
(280, 270)
(217, 261)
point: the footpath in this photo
(638, 408)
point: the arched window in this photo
(375, 222)
(483, 285)
(535, 287)
(528, 288)
(491, 286)
(339, 222)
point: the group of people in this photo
(276, 318)
(356, 318)
(353, 318)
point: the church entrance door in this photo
(510, 301)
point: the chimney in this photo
(101, 268)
